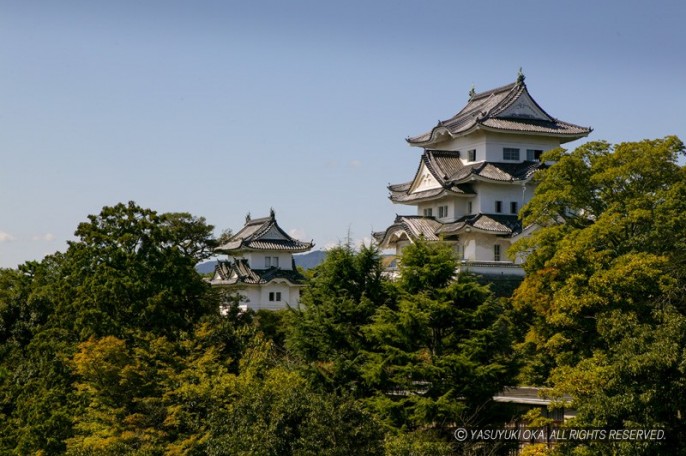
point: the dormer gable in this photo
(424, 180)
(524, 107)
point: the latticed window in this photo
(510, 153)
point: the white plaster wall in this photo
(468, 246)
(257, 297)
(490, 193)
(256, 259)
(460, 206)
(283, 288)
(457, 207)
(463, 144)
(479, 246)
(495, 142)
(252, 295)
(484, 247)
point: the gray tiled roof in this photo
(413, 226)
(493, 223)
(488, 110)
(404, 197)
(263, 234)
(454, 175)
(504, 172)
(431, 229)
(239, 272)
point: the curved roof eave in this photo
(476, 177)
(567, 136)
(281, 279)
(433, 136)
(390, 231)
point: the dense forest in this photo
(117, 346)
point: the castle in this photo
(474, 175)
(260, 265)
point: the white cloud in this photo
(355, 163)
(47, 237)
(364, 241)
(4, 237)
(297, 233)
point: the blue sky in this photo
(220, 108)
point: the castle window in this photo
(275, 296)
(469, 207)
(513, 207)
(498, 207)
(533, 154)
(442, 211)
(496, 252)
(510, 153)
(267, 262)
(428, 212)
(275, 262)
(471, 155)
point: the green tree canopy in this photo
(444, 350)
(341, 296)
(605, 286)
(130, 270)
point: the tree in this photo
(131, 270)
(604, 286)
(441, 355)
(134, 268)
(35, 378)
(340, 297)
(273, 410)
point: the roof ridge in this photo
(488, 93)
(257, 221)
(428, 217)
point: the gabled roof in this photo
(410, 226)
(454, 176)
(418, 226)
(263, 234)
(508, 109)
(239, 272)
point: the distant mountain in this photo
(207, 267)
(310, 259)
(305, 260)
